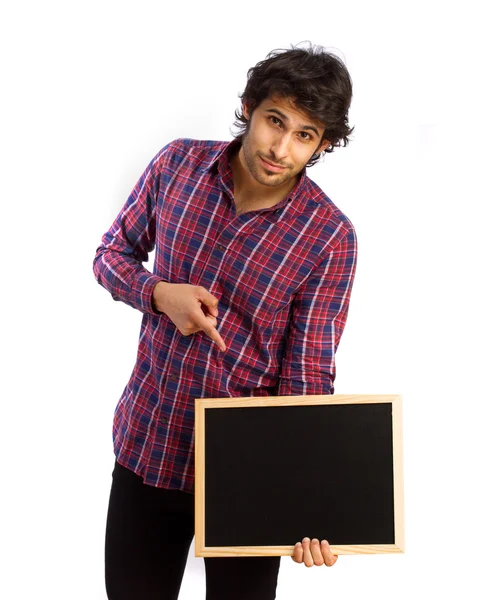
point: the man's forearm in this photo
(125, 278)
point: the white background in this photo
(91, 91)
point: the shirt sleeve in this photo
(318, 317)
(118, 261)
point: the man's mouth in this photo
(272, 167)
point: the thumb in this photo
(209, 301)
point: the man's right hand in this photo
(190, 307)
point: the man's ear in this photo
(245, 110)
(323, 145)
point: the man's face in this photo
(279, 141)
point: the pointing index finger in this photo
(211, 331)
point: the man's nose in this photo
(281, 146)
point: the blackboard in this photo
(270, 471)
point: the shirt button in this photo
(164, 421)
(220, 248)
(173, 377)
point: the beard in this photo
(256, 167)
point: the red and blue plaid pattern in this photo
(283, 278)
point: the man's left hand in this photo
(314, 553)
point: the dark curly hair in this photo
(316, 80)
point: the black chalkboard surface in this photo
(270, 471)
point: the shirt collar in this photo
(222, 157)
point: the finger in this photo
(209, 302)
(329, 558)
(316, 552)
(298, 553)
(307, 557)
(209, 312)
(208, 328)
(212, 320)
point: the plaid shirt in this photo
(283, 278)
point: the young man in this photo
(249, 296)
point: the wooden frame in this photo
(205, 404)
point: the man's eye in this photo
(274, 120)
(305, 136)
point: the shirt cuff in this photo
(295, 387)
(145, 286)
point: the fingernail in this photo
(314, 540)
(298, 544)
(324, 542)
(306, 540)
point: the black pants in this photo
(148, 536)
